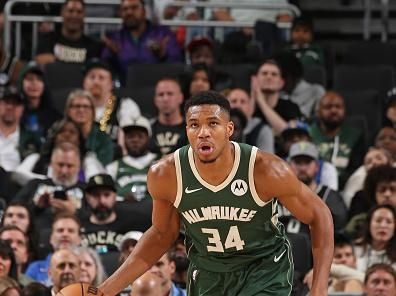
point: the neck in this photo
(167, 287)
(170, 119)
(100, 101)
(139, 30)
(86, 128)
(34, 102)
(272, 99)
(378, 245)
(7, 130)
(73, 35)
(110, 219)
(216, 172)
(329, 132)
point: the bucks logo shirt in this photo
(228, 225)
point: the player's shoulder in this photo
(163, 168)
(270, 164)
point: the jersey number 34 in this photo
(233, 240)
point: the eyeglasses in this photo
(78, 106)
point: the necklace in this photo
(104, 121)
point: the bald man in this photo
(64, 269)
(149, 284)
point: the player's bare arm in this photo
(161, 182)
(305, 205)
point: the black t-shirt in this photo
(285, 108)
(69, 51)
(167, 138)
(107, 237)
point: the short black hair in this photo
(341, 240)
(303, 21)
(67, 1)
(209, 97)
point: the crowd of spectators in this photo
(73, 184)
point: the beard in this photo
(66, 279)
(131, 25)
(101, 213)
(307, 180)
(331, 124)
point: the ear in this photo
(172, 266)
(230, 128)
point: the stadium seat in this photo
(364, 105)
(240, 73)
(370, 53)
(59, 98)
(145, 75)
(315, 74)
(64, 75)
(351, 77)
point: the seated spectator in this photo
(10, 66)
(344, 277)
(149, 284)
(60, 193)
(130, 171)
(299, 131)
(341, 145)
(104, 227)
(165, 268)
(92, 270)
(8, 287)
(37, 165)
(65, 234)
(306, 95)
(256, 132)
(128, 243)
(386, 139)
(139, 40)
(81, 109)
(201, 51)
(380, 279)
(109, 109)
(38, 115)
(266, 91)
(302, 43)
(15, 141)
(390, 109)
(374, 157)
(201, 78)
(70, 44)
(379, 188)
(19, 243)
(7, 260)
(64, 269)
(36, 289)
(378, 242)
(19, 214)
(303, 159)
(240, 122)
(169, 128)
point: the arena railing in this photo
(12, 37)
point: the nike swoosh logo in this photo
(187, 191)
(276, 259)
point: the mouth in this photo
(205, 149)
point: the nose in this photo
(203, 132)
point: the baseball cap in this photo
(32, 67)
(131, 235)
(138, 122)
(101, 180)
(199, 41)
(11, 94)
(96, 63)
(295, 127)
(303, 149)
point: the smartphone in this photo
(60, 194)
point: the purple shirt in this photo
(137, 51)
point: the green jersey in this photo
(130, 174)
(227, 226)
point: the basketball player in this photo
(226, 195)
